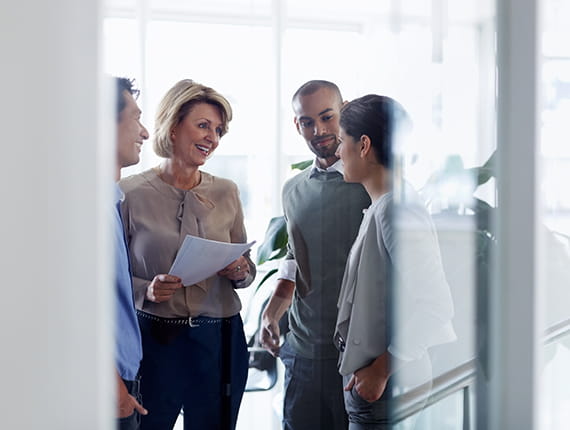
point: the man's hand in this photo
(162, 288)
(275, 309)
(270, 335)
(370, 381)
(127, 403)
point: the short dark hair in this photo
(310, 87)
(122, 85)
(378, 117)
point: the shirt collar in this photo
(338, 166)
(119, 195)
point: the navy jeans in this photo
(184, 370)
(132, 422)
(313, 393)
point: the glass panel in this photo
(223, 57)
(555, 217)
(120, 47)
(448, 88)
(197, 10)
(314, 54)
(452, 105)
(435, 58)
(447, 414)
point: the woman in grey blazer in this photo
(394, 302)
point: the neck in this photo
(378, 183)
(324, 163)
(179, 176)
(117, 173)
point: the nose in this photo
(144, 132)
(320, 128)
(213, 136)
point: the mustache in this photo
(322, 138)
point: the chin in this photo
(324, 154)
(349, 178)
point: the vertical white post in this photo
(514, 307)
(143, 16)
(278, 17)
(55, 322)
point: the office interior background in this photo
(478, 78)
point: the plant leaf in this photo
(487, 170)
(282, 253)
(301, 165)
(275, 240)
(265, 278)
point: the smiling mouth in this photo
(325, 141)
(203, 149)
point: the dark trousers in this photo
(368, 416)
(313, 397)
(378, 415)
(184, 370)
(132, 422)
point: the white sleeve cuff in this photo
(287, 270)
(392, 350)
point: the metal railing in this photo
(460, 378)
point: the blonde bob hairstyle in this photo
(177, 103)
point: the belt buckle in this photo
(340, 343)
(192, 324)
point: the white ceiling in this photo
(464, 11)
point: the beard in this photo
(327, 151)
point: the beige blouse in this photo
(157, 218)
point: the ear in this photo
(344, 102)
(365, 146)
(297, 125)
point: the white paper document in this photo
(198, 258)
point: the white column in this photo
(56, 314)
(514, 300)
(279, 17)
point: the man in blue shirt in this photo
(130, 136)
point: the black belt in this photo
(132, 386)
(189, 321)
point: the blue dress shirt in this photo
(127, 332)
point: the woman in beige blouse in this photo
(194, 350)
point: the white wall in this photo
(55, 336)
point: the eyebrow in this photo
(319, 114)
(209, 121)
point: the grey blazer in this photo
(405, 316)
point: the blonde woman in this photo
(194, 350)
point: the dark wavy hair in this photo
(121, 85)
(378, 117)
